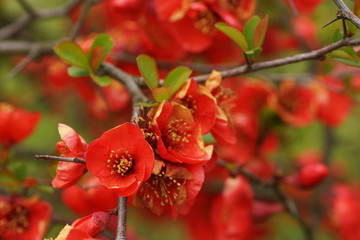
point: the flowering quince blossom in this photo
(23, 218)
(72, 145)
(171, 187)
(221, 130)
(16, 124)
(200, 102)
(92, 199)
(121, 159)
(178, 137)
(296, 105)
(231, 212)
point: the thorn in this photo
(338, 17)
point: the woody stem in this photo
(121, 226)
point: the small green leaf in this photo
(338, 35)
(176, 78)
(144, 104)
(347, 62)
(351, 52)
(252, 54)
(104, 41)
(20, 171)
(161, 93)
(148, 69)
(249, 29)
(44, 188)
(339, 53)
(77, 72)
(260, 32)
(234, 34)
(102, 81)
(208, 138)
(71, 53)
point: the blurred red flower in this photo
(16, 124)
(23, 218)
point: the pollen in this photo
(120, 162)
(164, 189)
(14, 218)
(177, 133)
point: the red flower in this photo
(121, 159)
(23, 218)
(306, 6)
(334, 106)
(201, 103)
(296, 105)
(221, 130)
(171, 187)
(230, 213)
(15, 124)
(178, 136)
(95, 197)
(72, 145)
(346, 212)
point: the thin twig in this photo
(27, 8)
(21, 65)
(293, 7)
(63, 159)
(24, 21)
(121, 225)
(80, 22)
(126, 79)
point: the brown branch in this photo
(121, 225)
(63, 159)
(27, 7)
(126, 79)
(313, 55)
(80, 22)
(24, 21)
(346, 13)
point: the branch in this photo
(24, 21)
(313, 55)
(121, 225)
(128, 80)
(80, 22)
(63, 159)
(347, 14)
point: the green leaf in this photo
(339, 53)
(338, 35)
(44, 188)
(252, 54)
(77, 72)
(102, 81)
(148, 69)
(20, 171)
(71, 53)
(351, 52)
(249, 30)
(208, 138)
(347, 62)
(144, 104)
(176, 78)
(260, 32)
(161, 93)
(102, 46)
(234, 34)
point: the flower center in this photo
(288, 102)
(120, 162)
(14, 218)
(205, 21)
(162, 189)
(190, 103)
(176, 132)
